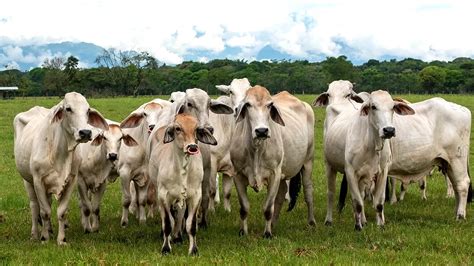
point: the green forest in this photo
(120, 73)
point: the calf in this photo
(98, 164)
(273, 141)
(368, 152)
(175, 163)
(45, 158)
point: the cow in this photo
(131, 163)
(273, 141)
(175, 163)
(368, 152)
(98, 165)
(341, 103)
(45, 157)
(224, 127)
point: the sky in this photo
(171, 30)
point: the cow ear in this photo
(169, 135)
(322, 100)
(241, 111)
(129, 141)
(98, 140)
(58, 114)
(356, 98)
(403, 109)
(133, 120)
(220, 108)
(205, 136)
(97, 120)
(364, 111)
(224, 88)
(179, 107)
(275, 115)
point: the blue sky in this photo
(177, 30)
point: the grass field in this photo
(416, 231)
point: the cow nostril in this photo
(261, 132)
(151, 127)
(85, 134)
(389, 131)
(211, 130)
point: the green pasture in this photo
(416, 231)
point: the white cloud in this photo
(171, 29)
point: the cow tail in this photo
(469, 192)
(342, 194)
(294, 190)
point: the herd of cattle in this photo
(167, 154)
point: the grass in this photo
(416, 232)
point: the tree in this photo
(338, 68)
(432, 79)
(54, 63)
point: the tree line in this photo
(138, 73)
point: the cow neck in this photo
(99, 158)
(182, 160)
(61, 146)
(380, 146)
(141, 135)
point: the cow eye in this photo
(230, 92)
(144, 114)
(348, 95)
(68, 109)
(190, 105)
(373, 107)
(178, 129)
(172, 101)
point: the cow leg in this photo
(191, 224)
(423, 188)
(178, 225)
(45, 207)
(126, 199)
(96, 200)
(403, 189)
(393, 184)
(280, 198)
(379, 197)
(217, 197)
(151, 199)
(212, 185)
(241, 184)
(63, 204)
(457, 173)
(86, 206)
(449, 187)
(226, 189)
(268, 210)
(357, 202)
(142, 193)
(166, 225)
(35, 211)
(331, 191)
(307, 176)
(133, 208)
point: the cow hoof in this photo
(358, 227)
(43, 239)
(194, 251)
(312, 223)
(165, 250)
(327, 223)
(267, 235)
(460, 217)
(242, 232)
(62, 242)
(124, 224)
(87, 231)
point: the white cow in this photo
(175, 163)
(342, 102)
(131, 162)
(44, 156)
(368, 153)
(223, 131)
(272, 142)
(98, 164)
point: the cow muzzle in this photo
(388, 132)
(85, 135)
(192, 149)
(112, 156)
(261, 132)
